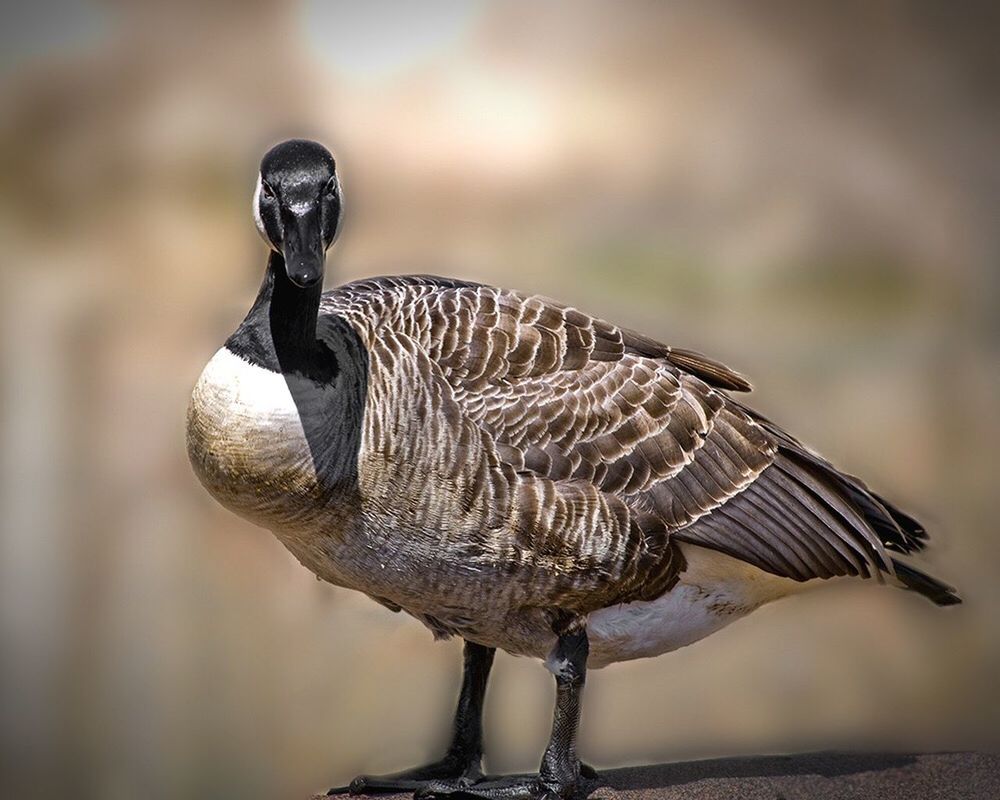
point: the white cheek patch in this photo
(340, 211)
(256, 215)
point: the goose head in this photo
(297, 207)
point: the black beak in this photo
(303, 248)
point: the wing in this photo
(574, 400)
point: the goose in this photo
(512, 471)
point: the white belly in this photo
(714, 591)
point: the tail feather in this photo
(934, 590)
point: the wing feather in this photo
(567, 400)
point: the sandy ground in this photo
(811, 776)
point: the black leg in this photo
(463, 760)
(560, 771)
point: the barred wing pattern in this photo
(577, 411)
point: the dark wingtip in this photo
(934, 590)
(914, 534)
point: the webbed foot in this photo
(511, 787)
(448, 769)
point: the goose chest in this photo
(248, 446)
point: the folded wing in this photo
(574, 400)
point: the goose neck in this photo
(292, 311)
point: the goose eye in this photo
(266, 191)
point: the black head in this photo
(297, 206)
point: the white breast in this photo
(246, 441)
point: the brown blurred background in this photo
(808, 193)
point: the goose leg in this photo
(560, 771)
(463, 760)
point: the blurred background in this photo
(808, 192)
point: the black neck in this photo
(279, 333)
(292, 311)
(324, 364)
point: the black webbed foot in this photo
(572, 784)
(512, 787)
(448, 778)
(448, 769)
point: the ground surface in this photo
(810, 776)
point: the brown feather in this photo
(607, 447)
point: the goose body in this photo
(434, 521)
(512, 471)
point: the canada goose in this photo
(512, 471)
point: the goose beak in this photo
(303, 249)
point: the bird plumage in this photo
(513, 471)
(521, 442)
(578, 414)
